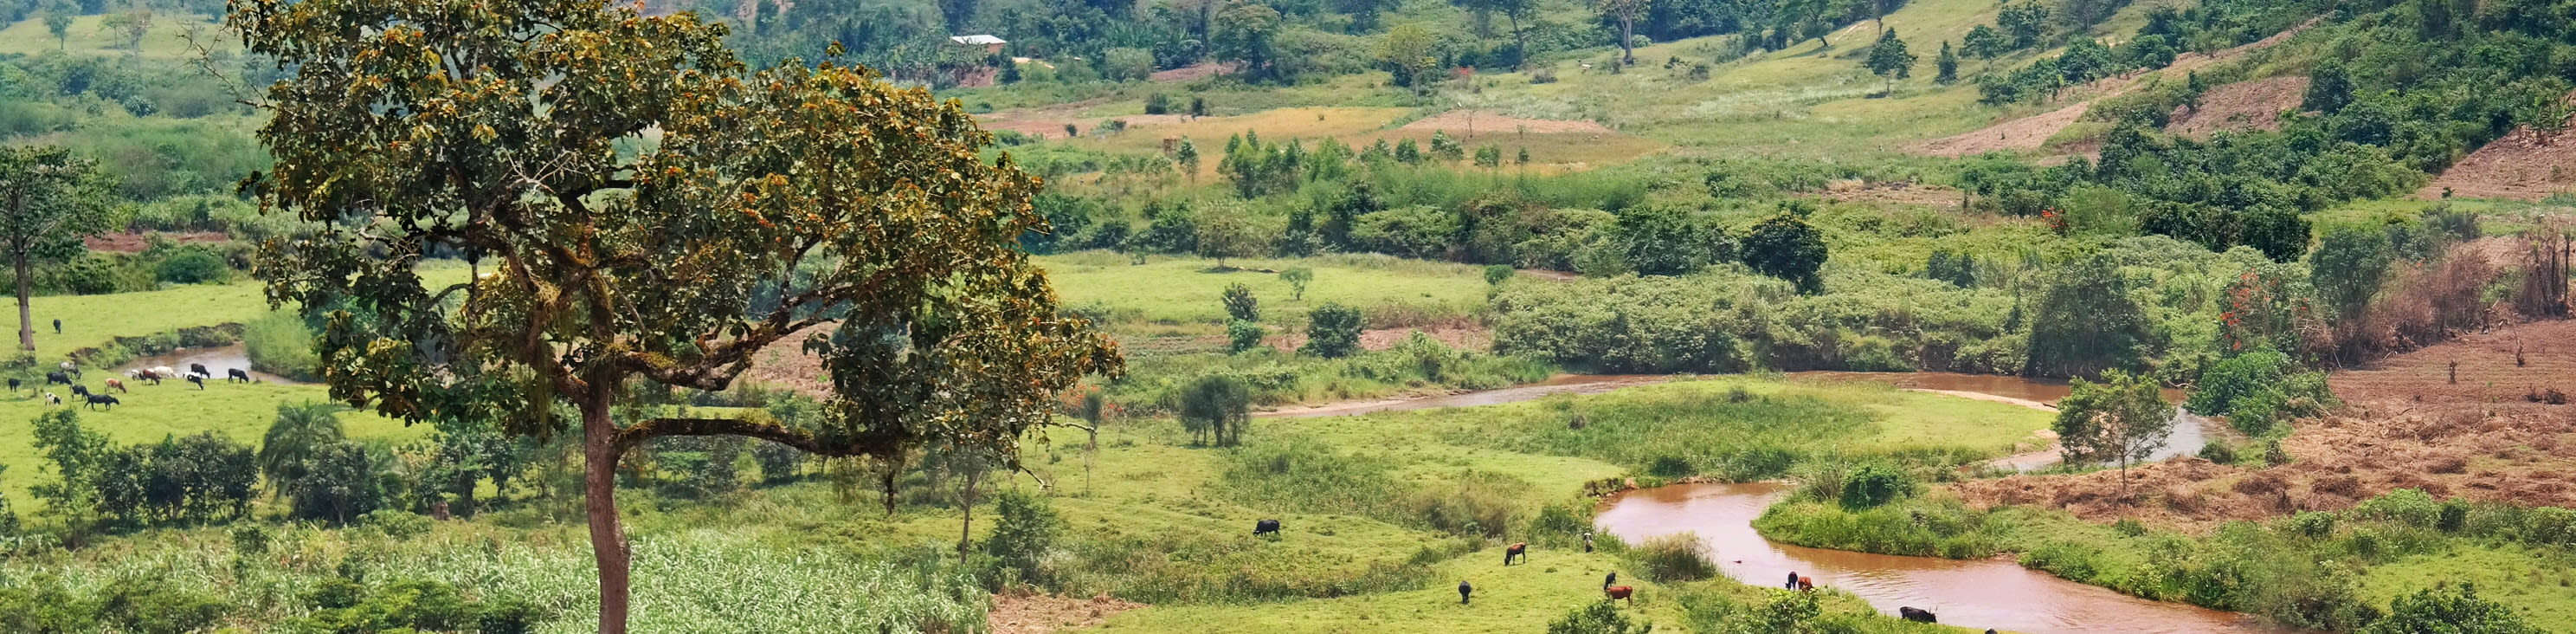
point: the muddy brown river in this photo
(1976, 594)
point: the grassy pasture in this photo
(1184, 293)
(167, 38)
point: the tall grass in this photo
(279, 343)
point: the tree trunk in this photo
(1627, 40)
(966, 503)
(26, 321)
(599, 496)
(1520, 42)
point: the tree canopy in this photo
(634, 186)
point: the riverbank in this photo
(1975, 593)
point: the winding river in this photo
(1973, 593)
(1978, 594)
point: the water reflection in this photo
(1978, 594)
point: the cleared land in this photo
(2526, 164)
(2408, 426)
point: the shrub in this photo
(279, 343)
(1673, 558)
(1158, 103)
(1023, 533)
(1244, 335)
(2235, 378)
(1332, 331)
(1240, 304)
(2312, 524)
(2448, 609)
(1496, 274)
(2218, 452)
(2411, 507)
(151, 605)
(1216, 407)
(396, 524)
(1601, 617)
(1872, 485)
(1786, 247)
(340, 483)
(191, 265)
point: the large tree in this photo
(635, 187)
(1625, 12)
(49, 200)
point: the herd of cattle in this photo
(70, 374)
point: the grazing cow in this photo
(51, 399)
(1793, 581)
(1265, 527)
(1806, 584)
(1463, 591)
(1917, 615)
(141, 374)
(1517, 549)
(1618, 593)
(13, 386)
(236, 373)
(199, 368)
(57, 377)
(102, 400)
(117, 385)
(165, 371)
(1587, 541)
(58, 326)
(198, 379)
(71, 368)
(80, 390)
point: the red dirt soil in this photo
(2405, 425)
(2526, 164)
(1040, 614)
(2246, 105)
(137, 242)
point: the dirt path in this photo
(1039, 614)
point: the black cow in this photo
(13, 386)
(102, 400)
(1265, 527)
(199, 368)
(1917, 615)
(236, 373)
(58, 326)
(1464, 590)
(80, 390)
(198, 379)
(57, 377)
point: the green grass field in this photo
(1184, 291)
(88, 36)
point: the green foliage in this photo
(2237, 377)
(1872, 485)
(1244, 335)
(1888, 58)
(1024, 535)
(1240, 304)
(2449, 610)
(1216, 407)
(341, 482)
(2087, 322)
(2409, 507)
(279, 343)
(1297, 279)
(1602, 617)
(1946, 65)
(1786, 247)
(1496, 274)
(1672, 558)
(2121, 419)
(192, 265)
(297, 438)
(1332, 331)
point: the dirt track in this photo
(1038, 614)
(2406, 425)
